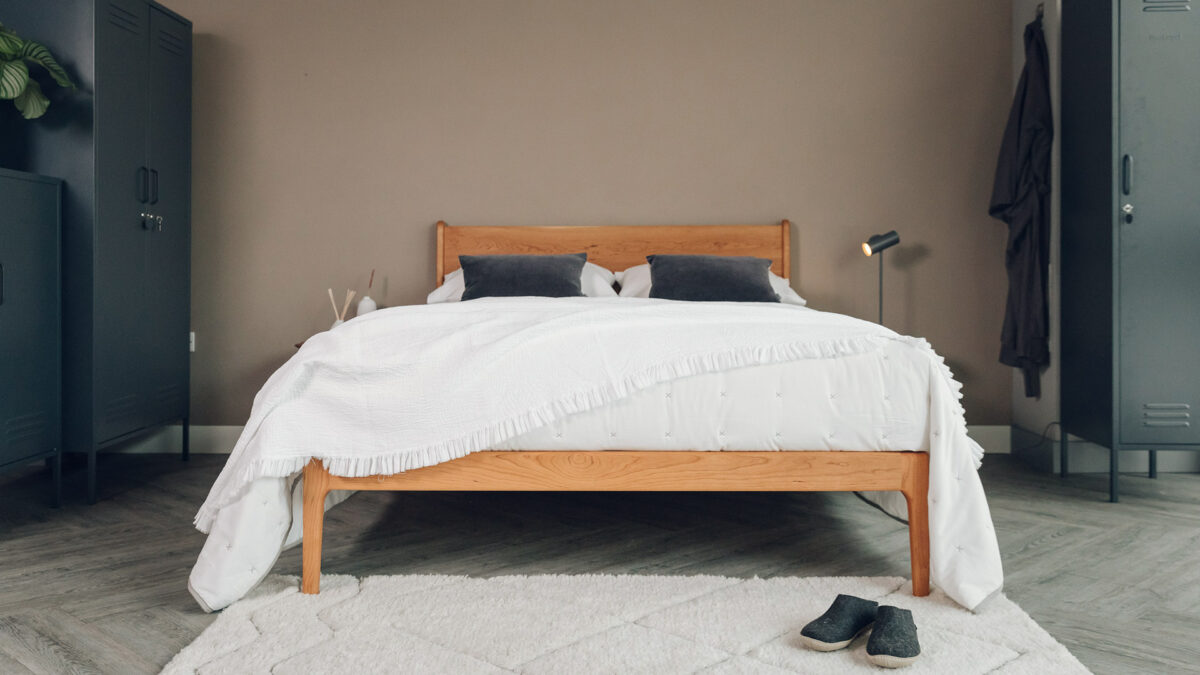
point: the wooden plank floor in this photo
(102, 588)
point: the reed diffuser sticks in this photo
(340, 315)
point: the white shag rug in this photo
(595, 624)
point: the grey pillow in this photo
(551, 276)
(711, 278)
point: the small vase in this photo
(336, 324)
(366, 305)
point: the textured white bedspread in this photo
(414, 386)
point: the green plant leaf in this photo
(10, 44)
(14, 75)
(32, 102)
(37, 53)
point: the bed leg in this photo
(315, 488)
(916, 495)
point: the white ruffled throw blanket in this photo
(409, 387)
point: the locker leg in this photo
(1062, 454)
(56, 471)
(186, 439)
(1114, 474)
(1154, 464)
(91, 475)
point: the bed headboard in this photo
(616, 247)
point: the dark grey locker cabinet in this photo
(1131, 226)
(122, 143)
(30, 321)
(169, 259)
(120, 275)
(1159, 241)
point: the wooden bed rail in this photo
(645, 471)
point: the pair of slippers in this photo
(893, 642)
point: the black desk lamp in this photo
(877, 244)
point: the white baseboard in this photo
(220, 439)
(995, 439)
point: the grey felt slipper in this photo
(893, 642)
(840, 624)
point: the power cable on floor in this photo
(1040, 441)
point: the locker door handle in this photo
(1127, 174)
(153, 186)
(143, 184)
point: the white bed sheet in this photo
(862, 402)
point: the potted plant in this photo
(16, 85)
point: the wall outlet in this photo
(192, 341)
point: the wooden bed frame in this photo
(621, 247)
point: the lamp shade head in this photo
(880, 242)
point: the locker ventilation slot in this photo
(1166, 6)
(123, 19)
(170, 396)
(170, 42)
(1166, 415)
(121, 408)
(25, 428)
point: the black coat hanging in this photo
(1021, 198)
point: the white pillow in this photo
(635, 283)
(595, 281)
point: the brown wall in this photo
(330, 136)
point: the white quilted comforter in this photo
(414, 386)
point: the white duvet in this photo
(414, 386)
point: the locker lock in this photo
(1127, 210)
(151, 221)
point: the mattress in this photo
(862, 402)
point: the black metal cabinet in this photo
(30, 322)
(122, 143)
(169, 257)
(1130, 226)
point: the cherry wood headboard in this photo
(616, 247)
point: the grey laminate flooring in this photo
(102, 588)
